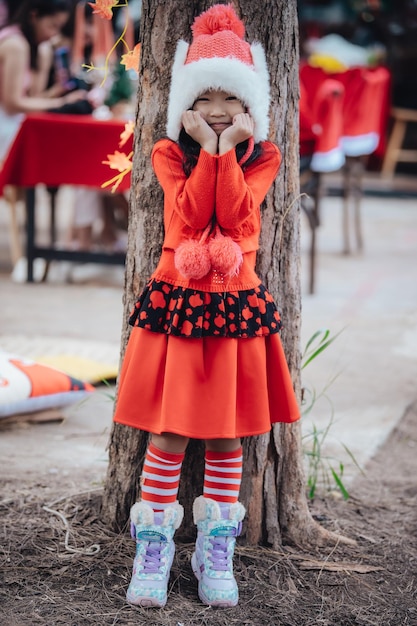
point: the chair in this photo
(310, 203)
(320, 131)
(395, 153)
(13, 196)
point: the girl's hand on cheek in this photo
(200, 131)
(241, 130)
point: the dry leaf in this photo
(339, 566)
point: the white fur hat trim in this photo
(249, 84)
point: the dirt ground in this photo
(53, 573)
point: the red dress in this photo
(204, 358)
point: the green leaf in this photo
(326, 333)
(353, 459)
(340, 484)
(323, 344)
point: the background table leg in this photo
(30, 231)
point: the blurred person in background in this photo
(63, 57)
(98, 216)
(4, 13)
(34, 22)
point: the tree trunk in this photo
(273, 488)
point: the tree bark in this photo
(273, 487)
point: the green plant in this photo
(122, 87)
(320, 467)
(110, 393)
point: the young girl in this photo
(204, 358)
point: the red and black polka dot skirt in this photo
(182, 312)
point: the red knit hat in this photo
(220, 59)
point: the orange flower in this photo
(121, 162)
(131, 59)
(127, 133)
(103, 8)
(118, 161)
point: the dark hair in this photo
(69, 29)
(42, 8)
(191, 150)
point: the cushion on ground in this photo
(28, 386)
(87, 359)
(88, 369)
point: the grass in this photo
(323, 471)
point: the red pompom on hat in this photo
(220, 17)
(219, 33)
(219, 58)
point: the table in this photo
(54, 150)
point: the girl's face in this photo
(218, 109)
(48, 26)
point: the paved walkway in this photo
(369, 373)
(371, 368)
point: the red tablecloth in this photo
(59, 149)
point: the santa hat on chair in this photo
(219, 58)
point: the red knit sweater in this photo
(216, 187)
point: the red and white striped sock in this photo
(160, 477)
(223, 475)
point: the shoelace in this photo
(220, 553)
(152, 557)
